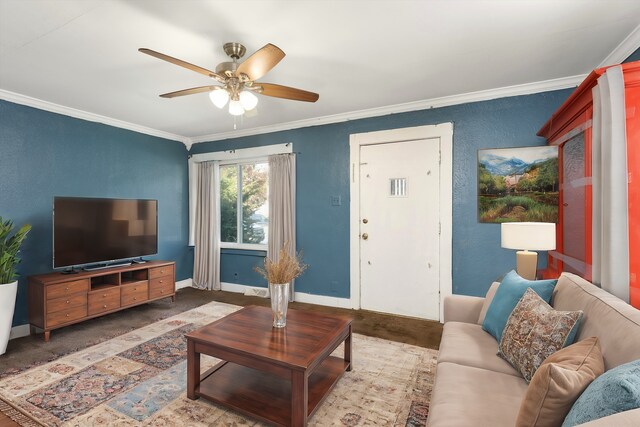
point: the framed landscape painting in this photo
(518, 184)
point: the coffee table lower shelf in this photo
(263, 395)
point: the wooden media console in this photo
(57, 300)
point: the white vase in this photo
(279, 293)
(8, 293)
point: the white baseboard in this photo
(323, 300)
(299, 296)
(186, 283)
(233, 287)
(20, 331)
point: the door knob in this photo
(365, 220)
(365, 236)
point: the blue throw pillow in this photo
(617, 390)
(507, 296)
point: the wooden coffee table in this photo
(279, 376)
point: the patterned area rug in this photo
(139, 378)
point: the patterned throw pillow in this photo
(535, 331)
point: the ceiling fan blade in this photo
(287, 92)
(182, 63)
(259, 64)
(191, 91)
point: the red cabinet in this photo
(570, 128)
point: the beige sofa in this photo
(475, 387)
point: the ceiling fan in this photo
(238, 80)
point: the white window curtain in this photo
(282, 207)
(206, 265)
(609, 185)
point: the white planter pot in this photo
(8, 293)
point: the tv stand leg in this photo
(47, 334)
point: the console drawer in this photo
(104, 300)
(134, 293)
(67, 288)
(156, 272)
(65, 303)
(64, 316)
(161, 287)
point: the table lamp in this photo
(528, 236)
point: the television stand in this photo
(102, 267)
(57, 300)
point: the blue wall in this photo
(323, 172)
(43, 155)
(635, 56)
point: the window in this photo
(244, 207)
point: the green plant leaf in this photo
(9, 249)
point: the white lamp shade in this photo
(219, 97)
(235, 108)
(535, 236)
(248, 100)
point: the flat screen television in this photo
(92, 231)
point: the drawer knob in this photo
(135, 299)
(68, 301)
(104, 295)
(66, 288)
(162, 291)
(104, 306)
(135, 289)
(67, 314)
(161, 271)
(161, 281)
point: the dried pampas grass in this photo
(287, 268)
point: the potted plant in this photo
(279, 274)
(9, 248)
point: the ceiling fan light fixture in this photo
(235, 108)
(248, 100)
(219, 97)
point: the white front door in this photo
(399, 228)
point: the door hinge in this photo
(439, 157)
(439, 228)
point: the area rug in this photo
(139, 378)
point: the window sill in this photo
(243, 246)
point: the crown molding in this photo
(84, 115)
(629, 45)
(483, 95)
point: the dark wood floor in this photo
(423, 333)
(27, 351)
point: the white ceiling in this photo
(360, 56)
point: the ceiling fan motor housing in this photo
(223, 67)
(234, 50)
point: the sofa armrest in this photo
(629, 418)
(462, 308)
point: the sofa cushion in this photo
(558, 382)
(617, 390)
(614, 322)
(468, 396)
(629, 418)
(507, 296)
(467, 344)
(534, 332)
(488, 298)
